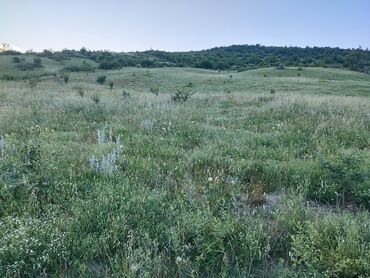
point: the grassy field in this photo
(261, 173)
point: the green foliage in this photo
(154, 91)
(84, 67)
(65, 77)
(181, 95)
(335, 245)
(95, 98)
(37, 63)
(111, 84)
(80, 90)
(347, 180)
(125, 94)
(29, 246)
(101, 79)
(9, 77)
(16, 60)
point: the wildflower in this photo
(210, 179)
(2, 144)
(178, 260)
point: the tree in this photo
(37, 63)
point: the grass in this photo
(235, 181)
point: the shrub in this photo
(16, 60)
(37, 63)
(84, 67)
(181, 95)
(111, 84)
(101, 79)
(9, 77)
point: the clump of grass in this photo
(154, 91)
(125, 94)
(95, 98)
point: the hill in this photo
(236, 57)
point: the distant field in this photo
(260, 173)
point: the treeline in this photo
(236, 57)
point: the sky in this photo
(181, 25)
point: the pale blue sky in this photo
(183, 24)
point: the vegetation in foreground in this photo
(184, 172)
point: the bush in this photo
(37, 63)
(181, 96)
(84, 67)
(101, 79)
(9, 77)
(111, 84)
(16, 60)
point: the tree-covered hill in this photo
(235, 57)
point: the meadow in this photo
(182, 172)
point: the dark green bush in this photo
(181, 95)
(101, 79)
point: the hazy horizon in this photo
(182, 26)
